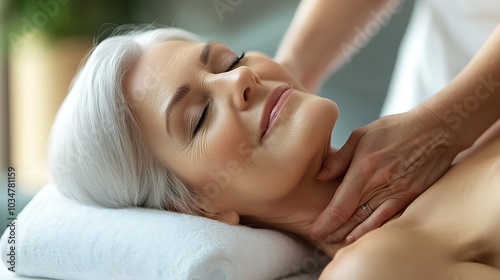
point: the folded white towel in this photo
(59, 238)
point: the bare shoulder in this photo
(391, 252)
(394, 252)
(420, 238)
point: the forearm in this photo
(470, 104)
(318, 36)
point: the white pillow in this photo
(59, 238)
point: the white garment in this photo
(441, 38)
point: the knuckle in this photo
(394, 172)
(356, 134)
(365, 228)
(359, 132)
(357, 217)
(383, 216)
(381, 178)
(338, 215)
(333, 159)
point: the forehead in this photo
(164, 66)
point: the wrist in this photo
(291, 66)
(441, 133)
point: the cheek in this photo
(268, 69)
(241, 172)
(225, 141)
(223, 152)
(213, 156)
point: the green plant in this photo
(61, 18)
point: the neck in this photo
(298, 216)
(297, 212)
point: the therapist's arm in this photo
(470, 104)
(321, 35)
(394, 159)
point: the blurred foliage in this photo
(62, 18)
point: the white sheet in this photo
(59, 238)
(6, 275)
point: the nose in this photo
(240, 86)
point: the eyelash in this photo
(236, 61)
(202, 119)
(205, 110)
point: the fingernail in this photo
(350, 239)
(323, 173)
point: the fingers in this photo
(339, 210)
(359, 216)
(382, 214)
(333, 166)
(337, 163)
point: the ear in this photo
(229, 217)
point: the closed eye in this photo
(201, 120)
(205, 110)
(236, 62)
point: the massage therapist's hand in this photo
(389, 163)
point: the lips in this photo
(273, 107)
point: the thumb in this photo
(338, 162)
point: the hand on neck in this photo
(296, 212)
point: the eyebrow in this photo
(179, 94)
(205, 53)
(183, 90)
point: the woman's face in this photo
(242, 133)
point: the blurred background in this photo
(43, 42)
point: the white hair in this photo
(97, 152)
